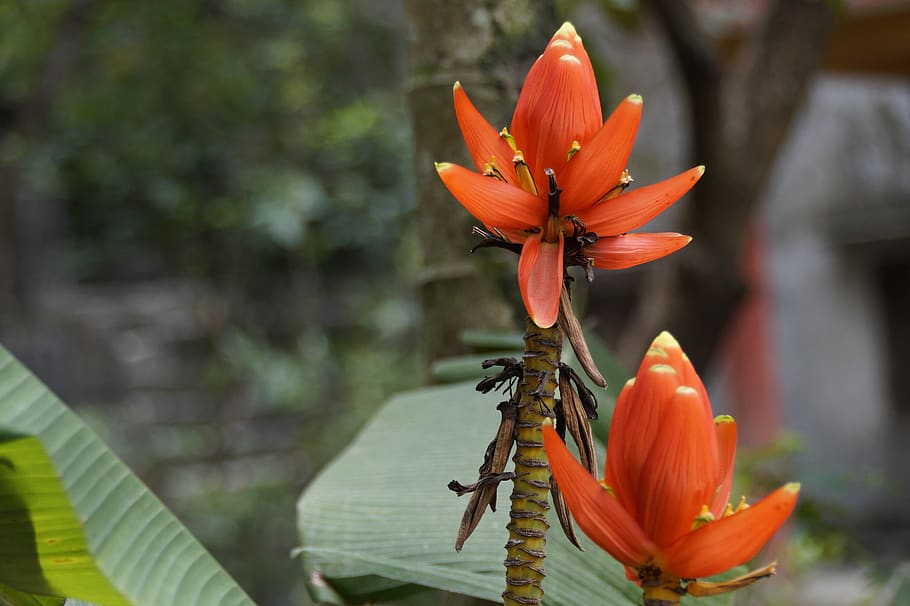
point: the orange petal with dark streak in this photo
(634, 208)
(597, 167)
(483, 141)
(629, 250)
(597, 512)
(492, 202)
(540, 270)
(723, 544)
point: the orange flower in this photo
(558, 135)
(663, 504)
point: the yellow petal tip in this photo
(700, 169)
(548, 422)
(665, 341)
(635, 99)
(457, 85)
(721, 419)
(442, 166)
(662, 369)
(792, 487)
(542, 321)
(566, 29)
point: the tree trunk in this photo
(741, 113)
(29, 224)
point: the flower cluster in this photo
(663, 503)
(555, 184)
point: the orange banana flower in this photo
(555, 185)
(662, 508)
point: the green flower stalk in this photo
(528, 525)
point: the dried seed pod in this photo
(572, 329)
(562, 512)
(490, 475)
(576, 422)
(511, 372)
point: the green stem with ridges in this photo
(659, 588)
(528, 524)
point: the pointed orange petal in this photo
(540, 271)
(680, 474)
(676, 357)
(637, 419)
(597, 512)
(615, 475)
(671, 353)
(721, 545)
(559, 104)
(597, 167)
(483, 141)
(635, 208)
(725, 428)
(494, 203)
(621, 252)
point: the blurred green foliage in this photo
(260, 148)
(218, 138)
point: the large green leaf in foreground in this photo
(146, 555)
(379, 519)
(42, 546)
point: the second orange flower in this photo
(662, 508)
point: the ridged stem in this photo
(659, 587)
(528, 524)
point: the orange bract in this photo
(669, 468)
(558, 126)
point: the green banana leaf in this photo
(42, 546)
(76, 523)
(379, 522)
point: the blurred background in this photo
(223, 243)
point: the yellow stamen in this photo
(504, 133)
(703, 517)
(491, 170)
(608, 488)
(624, 180)
(729, 509)
(525, 178)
